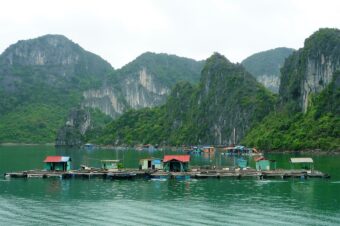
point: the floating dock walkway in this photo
(144, 174)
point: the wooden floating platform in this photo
(195, 173)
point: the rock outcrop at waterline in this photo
(72, 133)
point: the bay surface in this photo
(171, 202)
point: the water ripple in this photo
(193, 202)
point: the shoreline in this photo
(26, 144)
(313, 151)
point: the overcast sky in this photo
(119, 31)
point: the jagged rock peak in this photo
(162, 56)
(217, 58)
(218, 67)
(325, 39)
(310, 69)
(45, 50)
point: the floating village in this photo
(178, 167)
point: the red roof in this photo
(259, 158)
(57, 159)
(181, 158)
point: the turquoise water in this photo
(148, 202)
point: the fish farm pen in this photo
(194, 173)
(170, 167)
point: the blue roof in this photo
(156, 161)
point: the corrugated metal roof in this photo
(110, 160)
(301, 160)
(181, 158)
(57, 159)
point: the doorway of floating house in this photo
(149, 164)
(175, 166)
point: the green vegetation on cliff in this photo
(167, 69)
(319, 128)
(159, 125)
(42, 79)
(267, 62)
(265, 66)
(308, 114)
(310, 69)
(226, 97)
(35, 123)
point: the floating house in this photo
(263, 164)
(241, 150)
(305, 163)
(196, 150)
(242, 163)
(150, 163)
(208, 149)
(111, 165)
(57, 163)
(176, 163)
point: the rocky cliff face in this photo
(45, 74)
(265, 66)
(71, 134)
(319, 73)
(311, 69)
(55, 74)
(55, 59)
(106, 100)
(144, 90)
(231, 98)
(272, 82)
(145, 82)
(50, 62)
(307, 116)
(42, 51)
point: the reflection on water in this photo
(163, 202)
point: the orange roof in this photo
(181, 158)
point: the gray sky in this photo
(119, 31)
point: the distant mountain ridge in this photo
(266, 65)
